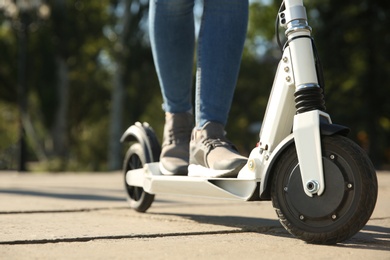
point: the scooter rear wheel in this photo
(345, 206)
(138, 199)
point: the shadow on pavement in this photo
(370, 237)
(65, 195)
(246, 224)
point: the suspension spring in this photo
(309, 99)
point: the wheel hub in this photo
(317, 206)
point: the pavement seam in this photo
(58, 211)
(140, 236)
(380, 218)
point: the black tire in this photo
(138, 199)
(346, 204)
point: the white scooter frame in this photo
(287, 120)
(296, 70)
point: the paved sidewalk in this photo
(85, 216)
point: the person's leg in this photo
(172, 36)
(171, 27)
(221, 41)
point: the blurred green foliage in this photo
(352, 38)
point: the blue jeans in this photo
(219, 50)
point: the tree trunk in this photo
(116, 128)
(59, 130)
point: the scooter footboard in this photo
(153, 182)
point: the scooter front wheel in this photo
(138, 199)
(345, 206)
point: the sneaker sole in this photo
(165, 172)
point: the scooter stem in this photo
(306, 128)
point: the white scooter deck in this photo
(153, 182)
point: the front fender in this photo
(332, 129)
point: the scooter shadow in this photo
(369, 238)
(241, 224)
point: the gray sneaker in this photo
(209, 148)
(175, 147)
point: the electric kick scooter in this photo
(322, 185)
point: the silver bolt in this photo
(332, 157)
(285, 59)
(349, 185)
(285, 189)
(301, 217)
(312, 186)
(267, 157)
(251, 165)
(286, 69)
(334, 216)
(288, 78)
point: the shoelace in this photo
(216, 142)
(179, 134)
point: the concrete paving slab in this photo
(85, 216)
(41, 192)
(215, 246)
